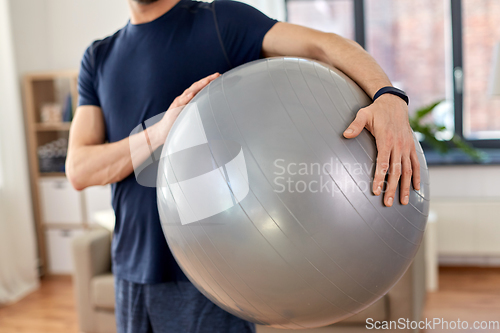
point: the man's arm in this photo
(386, 118)
(91, 161)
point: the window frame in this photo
(458, 78)
(457, 63)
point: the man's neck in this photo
(140, 13)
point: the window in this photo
(433, 49)
(330, 16)
(410, 50)
(480, 33)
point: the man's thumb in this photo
(356, 126)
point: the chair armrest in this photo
(91, 257)
(92, 253)
(407, 297)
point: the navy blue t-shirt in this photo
(136, 74)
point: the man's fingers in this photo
(185, 98)
(181, 100)
(406, 173)
(381, 169)
(415, 165)
(190, 92)
(393, 179)
(357, 125)
(197, 86)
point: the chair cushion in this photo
(102, 289)
(103, 298)
(378, 311)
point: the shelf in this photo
(52, 174)
(51, 75)
(40, 127)
(65, 226)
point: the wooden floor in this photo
(51, 309)
(468, 294)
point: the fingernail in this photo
(405, 200)
(349, 131)
(390, 201)
(418, 187)
(378, 190)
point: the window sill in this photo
(457, 157)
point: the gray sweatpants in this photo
(172, 307)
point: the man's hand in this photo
(177, 105)
(91, 161)
(387, 121)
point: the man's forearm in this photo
(102, 164)
(90, 162)
(98, 164)
(286, 39)
(354, 61)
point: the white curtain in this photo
(18, 266)
(272, 8)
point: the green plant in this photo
(429, 131)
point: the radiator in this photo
(468, 231)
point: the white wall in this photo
(469, 181)
(53, 34)
(74, 24)
(466, 200)
(272, 8)
(29, 32)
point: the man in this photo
(141, 71)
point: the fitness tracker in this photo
(393, 91)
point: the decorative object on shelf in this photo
(68, 109)
(51, 113)
(52, 156)
(430, 131)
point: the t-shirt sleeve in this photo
(87, 93)
(242, 29)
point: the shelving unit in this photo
(60, 212)
(41, 88)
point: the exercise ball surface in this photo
(268, 209)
